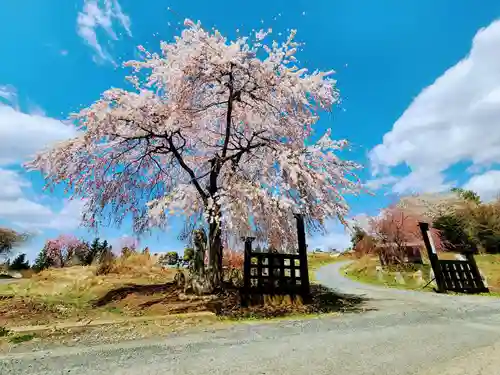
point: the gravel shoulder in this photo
(405, 333)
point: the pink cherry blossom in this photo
(62, 249)
(213, 128)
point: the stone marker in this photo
(380, 273)
(483, 277)
(399, 278)
(419, 279)
(431, 277)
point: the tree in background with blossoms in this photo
(64, 249)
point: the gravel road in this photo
(407, 333)
(7, 280)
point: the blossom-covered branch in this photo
(211, 127)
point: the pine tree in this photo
(19, 263)
(42, 261)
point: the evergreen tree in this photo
(467, 195)
(357, 235)
(19, 263)
(42, 261)
(94, 252)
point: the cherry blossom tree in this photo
(395, 231)
(214, 130)
(61, 250)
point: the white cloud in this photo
(377, 183)
(455, 119)
(101, 15)
(67, 218)
(23, 212)
(362, 221)
(487, 185)
(422, 180)
(337, 237)
(18, 210)
(11, 184)
(8, 94)
(22, 134)
(33, 216)
(31, 248)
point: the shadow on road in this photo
(326, 300)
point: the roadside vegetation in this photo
(134, 283)
(317, 260)
(365, 270)
(461, 222)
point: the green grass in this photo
(317, 260)
(17, 339)
(364, 270)
(114, 310)
(4, 332)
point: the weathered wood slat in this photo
(461, 276)
(276, 273)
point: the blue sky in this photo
(420, 85)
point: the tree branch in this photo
(229, 114)
(186, 167)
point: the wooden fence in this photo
(272, 273)
(461, 276)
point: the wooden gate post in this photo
(304, 271)
(469, 255)
(247, 262)
(433, 258)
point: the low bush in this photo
(233, 259)
(131, 264)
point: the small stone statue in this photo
(399, 278)
(199, 279)
(200, 243)
(419, 278)
(380, 273)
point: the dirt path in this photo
(409, 333)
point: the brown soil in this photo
(15, 309)
(123, 292)
(155, 300)
(139, 300)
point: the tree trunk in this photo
(208, 281)
(215, 254)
